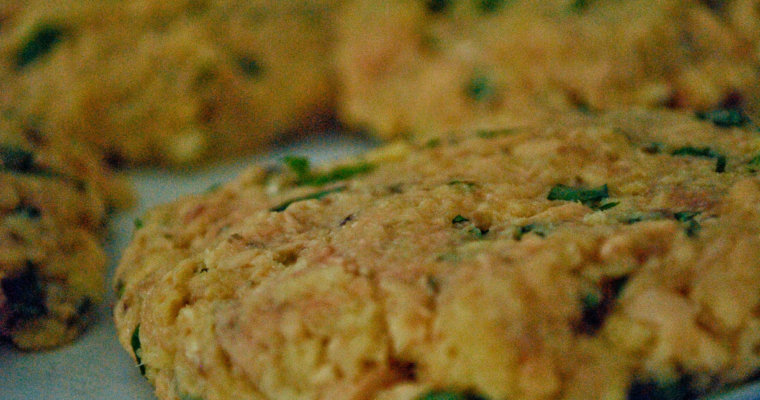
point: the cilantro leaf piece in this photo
(578, 6)
(536, 229)
(607, 206)
(312, 196)
(692, 227)
(138, 223)
(588, 197)
(459, 219)
(725, 117)
(250, 66)
(137, 349)
(437, 6)
(339, 173)
(299, 165)
(481, 88)
(41, 42)
(489, 6)
(304, 176)
(702, 152)
(450, 395)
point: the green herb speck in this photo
(41, 42)
(489, 6)
(702, 152)
(725, 117)
(450, 395)
(588, 197)
(437, 6)
(481, 88)
(459, 219)
(492, 133)
(138, 223)
(137, 349)
(250, 66)
(312, 196)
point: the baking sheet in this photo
(95, 367)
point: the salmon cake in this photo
(151, 81)
(609, 257)
(415, 67)
(54, 199)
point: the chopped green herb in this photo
(433, 143)
(578, 6)
(725, 118)
(597, 305)
(27, 211)
(459, 219)
(41, 42)
(312, 196)
(138, 223)
(119, 289)
(650, 389)
(437, 6)
(469, 185)
(481, 88)
(299, 165)
(755, 160)
(137, 350)
(537, 229)
(304, 176)
(492, 133)
(653, 148)
(339, 173)
(607, 206)
(692, 227)
(250, 66)
(24, 295)
(17, 159)
(587, 197)
(703, 152)
(489, 6)
(477, 232)
(450, 395)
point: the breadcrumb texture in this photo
(448, 268)
(54, 199)
(416, 67)
(168, 82)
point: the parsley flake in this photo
(703, 152)
(725, 117)
(41, 42)
(312, 196)
(137, 349)
(588, 197)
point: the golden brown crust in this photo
(172, 83)
(54, 197)
(455, 265)
(411, 68)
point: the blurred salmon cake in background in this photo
(54, 199)
(168, 82)
(610, 257)
(421, 67)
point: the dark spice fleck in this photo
(24, 295)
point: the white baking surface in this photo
(95, 367)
